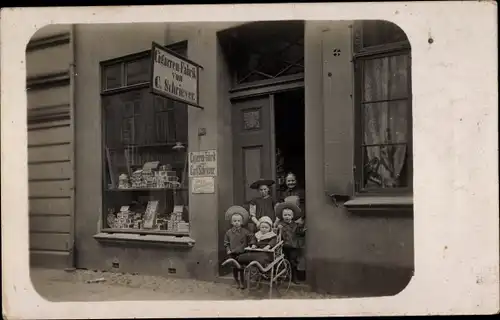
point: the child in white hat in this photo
(265, 238)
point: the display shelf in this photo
(148, 145)
(145, 189)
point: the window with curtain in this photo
(383, 117)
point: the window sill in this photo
(144, 232)
(147, 239)
(379, 205)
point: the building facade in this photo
(330, 100)
(50, 58)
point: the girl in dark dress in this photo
(265, 238)
(261, 206)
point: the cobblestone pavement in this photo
(60, 285)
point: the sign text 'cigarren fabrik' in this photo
(174, 76)
(203, 163)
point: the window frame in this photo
(122, 234)
(123, 60)
(368, 53)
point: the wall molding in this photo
(265, 87)
(48, 42)
(48, 80)
(48, 114)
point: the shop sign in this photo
(174, 77)
(203, 163)
(203, 185)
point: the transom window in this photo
(260, 51)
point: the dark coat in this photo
(291, 233)
(237, 240)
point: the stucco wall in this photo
(50, 146)
(100, 42)
(348, 254)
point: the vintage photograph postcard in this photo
(288, 165)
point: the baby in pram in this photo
(265, 238)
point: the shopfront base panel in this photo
(355, 279)
(160, 260)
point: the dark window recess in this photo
(137, 71)
(128, 131)
(380, 32)
(165, 120)
(112, 77)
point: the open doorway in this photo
(289, 137)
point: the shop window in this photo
(144, 152)
(383, 111)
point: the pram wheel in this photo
(283, 276)
(252, 277)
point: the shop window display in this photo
(144, 155)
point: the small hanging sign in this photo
(203, 185)
(203, 163)
(174, 77)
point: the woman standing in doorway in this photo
(292, 191)
(263, 205)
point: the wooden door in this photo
(253, 145)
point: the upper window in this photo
(383, 110)
(144, 152)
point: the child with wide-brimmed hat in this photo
(263, 205)
(293, 191)
(288, 214)
(237, 239)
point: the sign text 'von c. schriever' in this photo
(174, 77)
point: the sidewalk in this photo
(59, 285)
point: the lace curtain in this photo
(385, 111)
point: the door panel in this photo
(251, 156)
(252, 145)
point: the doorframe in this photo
(267, 87)
(261, 89)
(273, 145)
